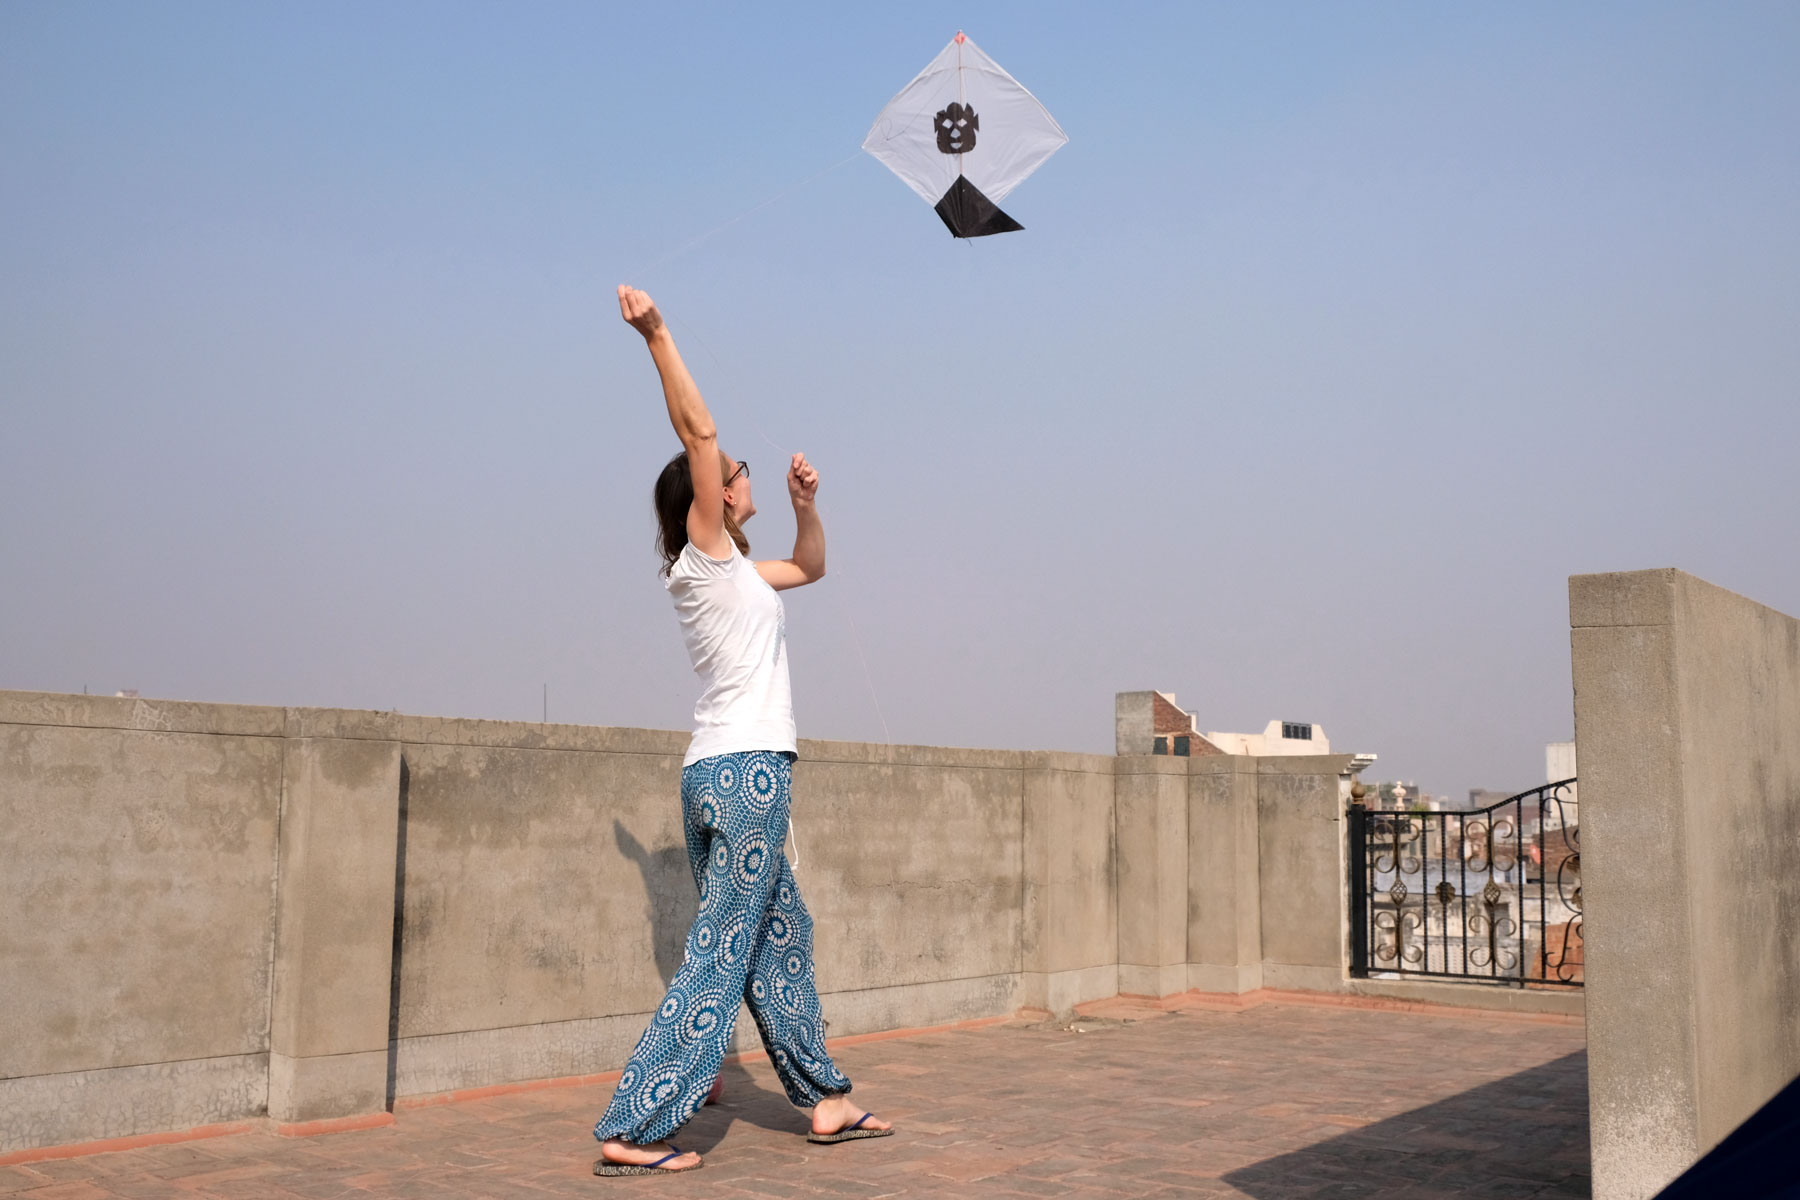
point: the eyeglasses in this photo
(743, 469)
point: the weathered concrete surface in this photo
(81, 1106)
(1134, 723)
(933, 895)
(334, 933)
(1567, 1002)
(1224, 927)
(1302, 877)
(1150, 800)
(540, 886)
(137, 881)
(1687, 722)
(1070, 929)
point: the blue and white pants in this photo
(751, 938)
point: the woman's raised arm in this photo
(693, 424)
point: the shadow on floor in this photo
(1522, 1136)
(743, 1101)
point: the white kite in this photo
(962, 135)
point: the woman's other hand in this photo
(639, 310)
(802, 481)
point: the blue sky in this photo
(1337, 338)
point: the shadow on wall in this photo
(1525, 1135)
(671, 897)
(393, 1051)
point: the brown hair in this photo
(672, 497)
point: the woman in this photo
(752, 936)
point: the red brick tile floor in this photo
(1277, 1101)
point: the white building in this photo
(1278, 737)
(1559, 764)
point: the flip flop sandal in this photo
(603, 1167)
(849, 1132)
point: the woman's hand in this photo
(802, 481)
(808, 563)
(639, 311)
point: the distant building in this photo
(1277, 738)
(1152, 723)
(1559, 764)
(1395, 796)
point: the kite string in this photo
(731, 376)
(644, 270)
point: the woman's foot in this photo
(625, 1154)
(834, 1114)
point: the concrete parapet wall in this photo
(216, 912)
(1687, 724)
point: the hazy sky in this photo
(1337, 339)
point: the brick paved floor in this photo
(1274, 1102)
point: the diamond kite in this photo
(962, 135)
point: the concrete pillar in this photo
(1302, 880)
(1134, 723)
(1224, 916)
(1069, 926)
(328, 1037)
(1151, 804)
(1687, 724)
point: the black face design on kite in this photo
(956, 126)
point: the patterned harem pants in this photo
(751, 938)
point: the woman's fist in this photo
(639, 310)
(802, 480)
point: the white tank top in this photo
(736, 634)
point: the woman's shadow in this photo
(670, 902)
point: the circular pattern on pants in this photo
(734, 941)
(752, 856)
(704, 1016)
(724, 776)
(762, 786)
(658, 1088)
(733, 814)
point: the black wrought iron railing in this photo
(1491, 895)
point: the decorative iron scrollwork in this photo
(1394, 837)
(1506, 881)
(1396, 936)
(1497, 927)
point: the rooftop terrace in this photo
(1291, 1097)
